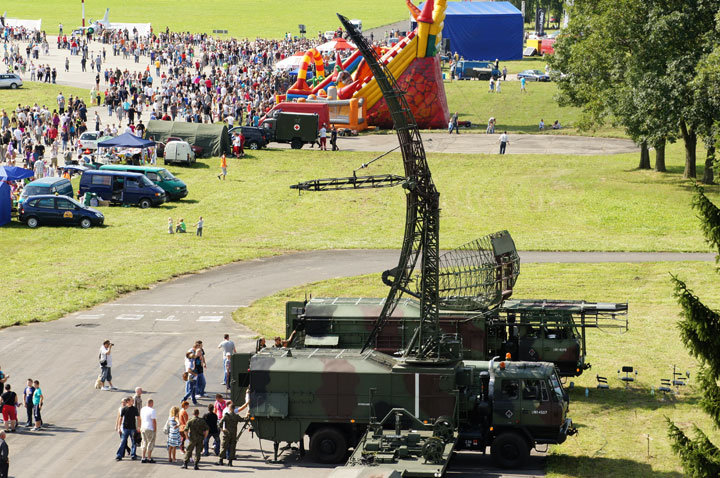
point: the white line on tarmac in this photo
(90, 316)
(130, 316)
(169, 318)
(120, 304)
(210, 318)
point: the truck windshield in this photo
(557, 387)
(33, 190)
(146, 181)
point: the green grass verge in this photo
(547, 202)
(613, 424)
(245, 19)
(518, 112)
(41, 94)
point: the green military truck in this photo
(532, 330)
(328, 394)
(297, 129)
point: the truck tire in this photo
(254, 145)
(509, 450)
(145, 203)
(328, 445)
(296, 143)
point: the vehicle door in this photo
(67, 212)
(506, 406)
(539, 413)
(118, 188)
(100, 184)
(152, 176)
(46, 212)
(132, 192)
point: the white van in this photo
(178, 152)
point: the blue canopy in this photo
(484, 30)
(9, 173)
(126, 140)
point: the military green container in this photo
(532, 330)
(297, 129)
(326, 394)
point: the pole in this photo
(83, 13)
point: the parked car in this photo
(120, 187)
(174, 188)
(198, 150)
(255, 138)
(533, 75)
(48, 209)
(60, 186)
(480, 70)
(89, 140)
(178, 152)
(10, 80)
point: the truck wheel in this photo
(253, 145)
(85, 223)
(32, 222)
(509, 450)
(328, 445)
(296, 143)
(145, 203)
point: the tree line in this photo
(651, 66)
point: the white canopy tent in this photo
(288, 64)
(142, 28)
(28, 24)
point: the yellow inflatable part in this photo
(438, 17)
(423, 30)
(397, 66)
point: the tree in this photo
(700, 332)
(633, 62)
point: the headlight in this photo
(177, 188)
(98, 214)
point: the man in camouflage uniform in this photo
(197, 430)
(228, 425)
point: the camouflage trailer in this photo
(327, 394)
(532, 330)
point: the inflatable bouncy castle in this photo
(353, 95)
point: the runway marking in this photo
(130, 316)
(169, 318)
(210, 318)
(120, 304)
(90, 316)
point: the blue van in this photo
(121, 188)
(60, 186)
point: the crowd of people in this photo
(190, 431)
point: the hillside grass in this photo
(518, 112)
(41, 94)
(547, 202)
(613, 424)
(242, 19)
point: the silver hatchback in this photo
(10, 80)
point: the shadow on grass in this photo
(587, 467)
(632, 397)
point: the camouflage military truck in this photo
(532, 330)
(325, 394)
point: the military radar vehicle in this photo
(328, 393)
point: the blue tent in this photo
(9, 173)
(484, 30)
(126, 140)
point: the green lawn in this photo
(605, 206)
(613, 424)
(41, 94)
(514, 111)
(243, 19)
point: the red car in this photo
(198, 150)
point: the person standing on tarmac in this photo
(228, 424)
(197, 429)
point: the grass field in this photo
(613, 424)
(242, 19)
(514, 111)
(605, 206)
(41, 93)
